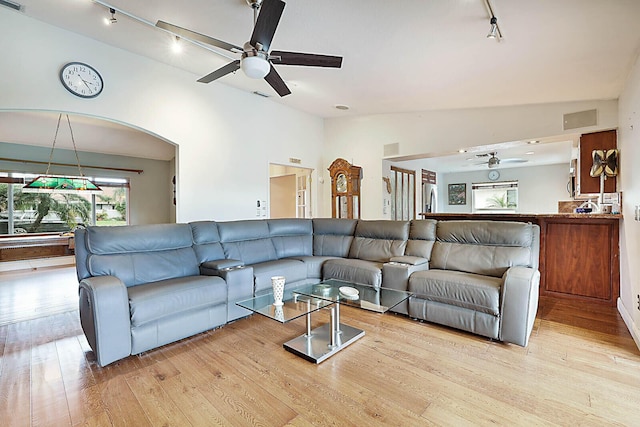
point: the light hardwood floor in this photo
(580, 368)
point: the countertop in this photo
(583, 216)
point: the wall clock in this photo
(81, 79)
(494, 175)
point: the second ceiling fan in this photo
(256, 60)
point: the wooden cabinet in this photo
(588, 185)
(582, 259)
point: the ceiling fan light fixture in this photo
(493, 162)
(255, 67)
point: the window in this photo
(22, 213)
(495, 197)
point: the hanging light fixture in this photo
(48, 183)
(113, 19)
(493, 32)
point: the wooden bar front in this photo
(579, 253)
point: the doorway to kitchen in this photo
(289, 191)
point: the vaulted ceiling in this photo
(399, 56)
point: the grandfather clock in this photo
(345, 189)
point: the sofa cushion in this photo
(353, 270)
(247, 240)
(379, 240)
(206, 241)
(293, 270)
(466, 290)
(422, 235)
(484, 247)
(138, 238)
(314, 265)
(153, 301)
(291, 237)
(333, 236)
(137, 268)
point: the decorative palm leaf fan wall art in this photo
(605, 162)
(255, 58)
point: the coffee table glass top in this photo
(368, 298)
(295, 305)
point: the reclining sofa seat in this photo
(140, 288)
(273, 247)
(374, 243)
(483, 278)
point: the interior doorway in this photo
(289, 191)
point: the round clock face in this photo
(81, 80)
(494, 175)
(341, 183)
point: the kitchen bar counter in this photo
(579, 253)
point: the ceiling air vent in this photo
(11, 5)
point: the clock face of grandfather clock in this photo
(345, 189)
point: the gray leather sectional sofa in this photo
(145, 286)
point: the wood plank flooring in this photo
(580, 368)
(29, 294)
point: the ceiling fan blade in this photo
(276, 82)
(192, 35)
(305, 59)
(229, 68)
(268, 19)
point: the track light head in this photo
(493, 32)
(112, 20)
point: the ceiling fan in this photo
(494, 160)
(256, 60)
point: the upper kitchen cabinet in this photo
(588, 185)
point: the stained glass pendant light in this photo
(48, 183)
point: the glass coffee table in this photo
(324, 341)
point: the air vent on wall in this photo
(11, 5)
(580, 119)
(391, 149)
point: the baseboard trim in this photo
(628, 320)
(32, 264)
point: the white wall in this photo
(361, 139)
(629, 145)
(149, 201)
(226, 137)
(539, 187)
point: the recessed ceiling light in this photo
(342, 107)
(462, 150)
(530, 153)
(533, 142)
(176, 45)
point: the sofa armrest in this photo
(240, 286)
(396, 275)
(519, 296)
(411, 260)
(210, 268)
(104, 315)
